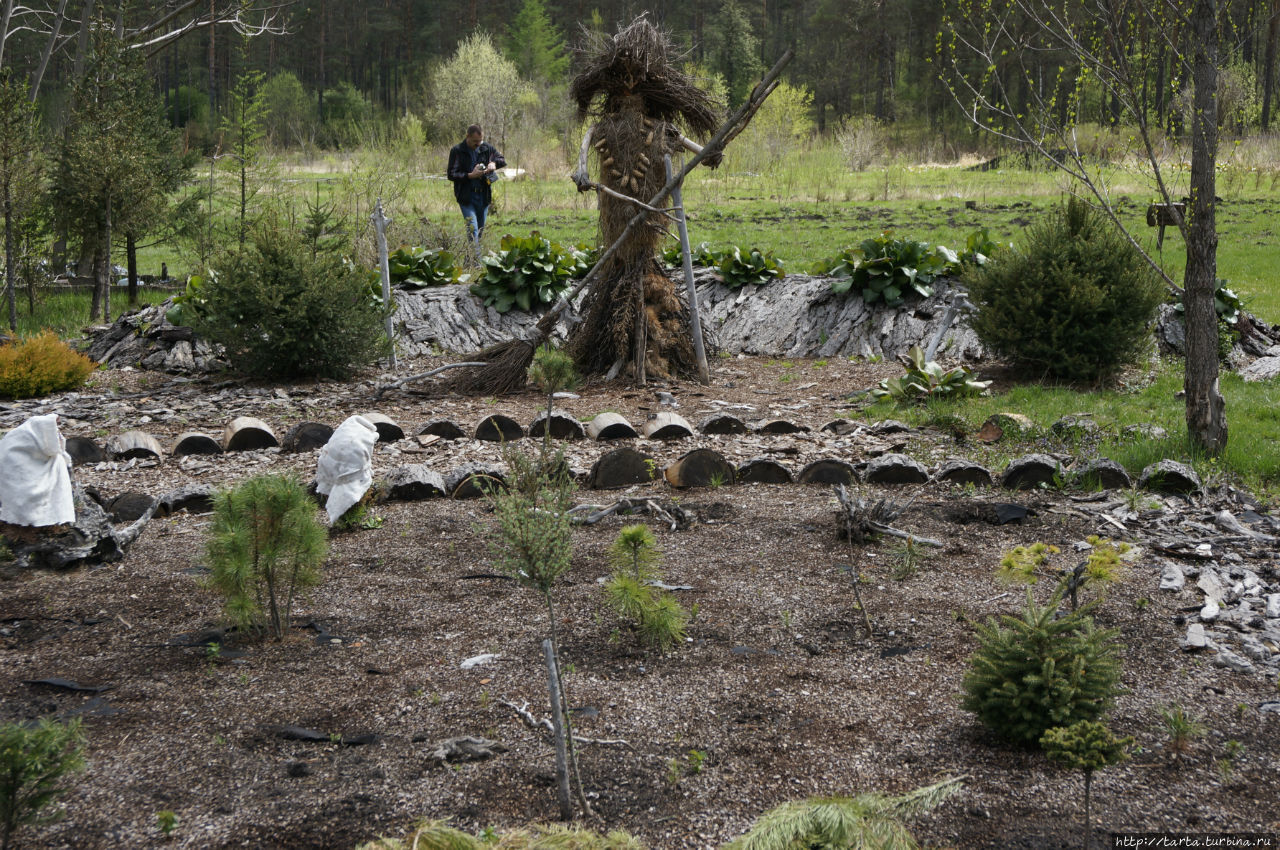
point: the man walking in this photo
(473, 165)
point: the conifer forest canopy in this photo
(857, 57)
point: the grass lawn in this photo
(804, 211)
(66, 312)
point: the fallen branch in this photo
(543, 725)
(863, 519)
(905, 535)
(676, 517)
(622, 196)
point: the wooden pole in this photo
(557, 726)
(695, 322)
(380, 223)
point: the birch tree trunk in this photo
(56, 30)
(5, 14)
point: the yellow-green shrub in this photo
(40, 365)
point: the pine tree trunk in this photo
(1206, 414)
(5, 15)
(95, 272)
(107, 269)
(131, 261)
(558, 730)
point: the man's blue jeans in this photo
(474, 212)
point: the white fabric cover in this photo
(35, 482)
(344, 472)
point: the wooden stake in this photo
(695, 323)
(641, 332)
(380, 223)
(557, 727)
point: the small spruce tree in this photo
(1041, 670)
(1085, 746)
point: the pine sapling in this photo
(33, 761)
(1086, 746)
(868, 820)
(1101, 567)
(266, 547)
(534, 545)
(1183, 729)
(659, 618)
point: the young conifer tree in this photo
(1085, 746)
(266, 548)
(1041, 670)
(631, 591)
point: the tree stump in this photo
(667, 426)
(563, 426)
(85, 450)
(610, 426)
(722, 423)
(621, 468)
(306, 437)
(445, 429)
(195, 443)
(246, 434)
(700, 468)
(388, 430)
(763, 470)
(828, 471)
(135, 444)
(498, 428)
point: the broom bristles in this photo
(506, 369)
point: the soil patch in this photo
(778, 687)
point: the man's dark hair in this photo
(475, 128)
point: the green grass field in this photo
(804, 210)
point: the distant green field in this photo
(804, 212)
(66, 312)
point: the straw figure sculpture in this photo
(640, 99)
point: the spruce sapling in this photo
(1041, 670)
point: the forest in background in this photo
(336, 72)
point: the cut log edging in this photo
(1024, 472)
